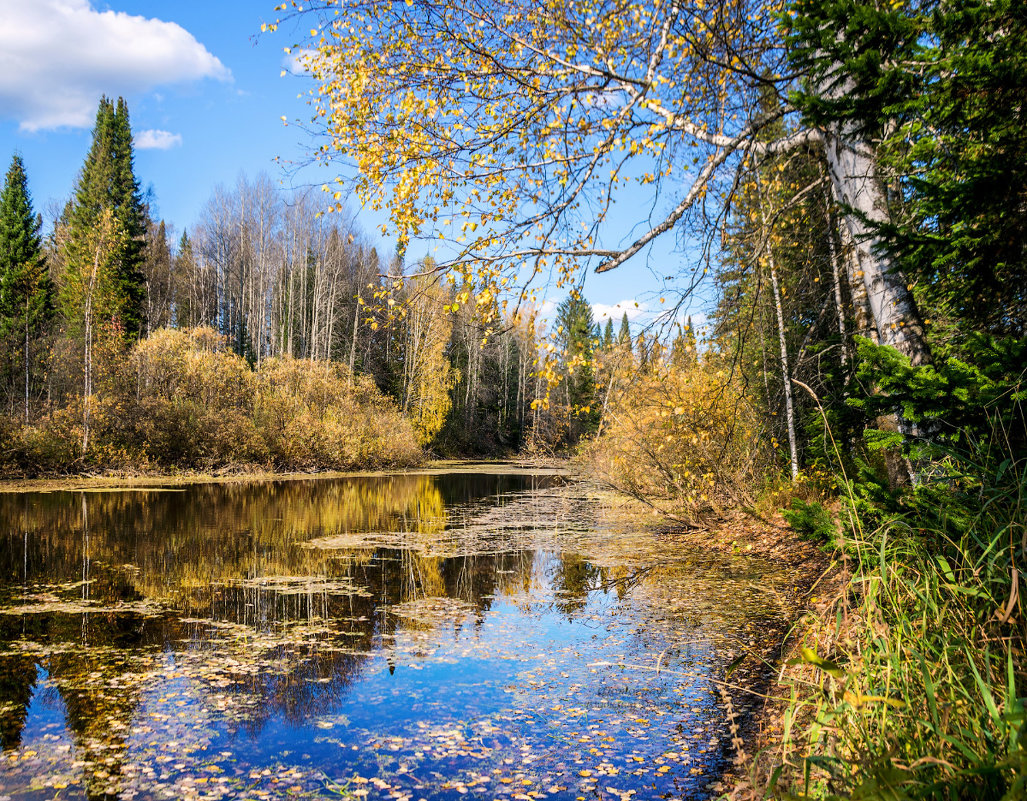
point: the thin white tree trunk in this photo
(838, 303)
(785, 373)
(88, 367)
(353, 341)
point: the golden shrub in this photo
(315, 415)
(184, 399)
(683, 438)
(192, 404)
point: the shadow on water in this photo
(394, 637)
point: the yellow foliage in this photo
(182, 398)
(524, 123)
(313, 415)
(684, 438)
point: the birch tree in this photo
(513, 128)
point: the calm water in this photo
(407, 637)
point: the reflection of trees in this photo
(362, 624)
(17, 684)
(225, 556)
(573, 578)
(181, 540)
(101, 689)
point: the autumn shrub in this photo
(685, 439)
(52, 444)
(188, 401)
(183, 399)
(314, 414)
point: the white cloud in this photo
(298, 61)
(58, 56)
(634, 309)
(157, 140)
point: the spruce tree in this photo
(25, 288)
(574, 320)
(608, 334)
(941, 88)
(133, 217)
(108, 181)
(624, 336)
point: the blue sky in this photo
(206, 98)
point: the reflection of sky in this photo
(519, 679)
(495, 690)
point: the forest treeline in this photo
(269, 335)
(261, 337)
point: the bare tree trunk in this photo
(838, 303)
(88, 366)
(789, 407)
(862, 317)
(785, 373)
(897, 320)
(353, 341)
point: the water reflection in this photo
(156, 642)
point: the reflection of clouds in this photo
(430, 659)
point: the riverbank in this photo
(759, 708)
(903, 675)
(112, 482)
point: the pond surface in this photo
(406, 636)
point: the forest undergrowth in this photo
(906, 676)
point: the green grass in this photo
(915, 687)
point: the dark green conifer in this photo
(624, 335)
(108, 181)
(608, 334)
(25, 289)
(24, 284)
(574, 321)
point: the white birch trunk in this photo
(836, 278)
(782, 342)
(854, 177)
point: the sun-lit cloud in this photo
(157, 140)
(58, 56)
(298, 61)
(637, 311)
